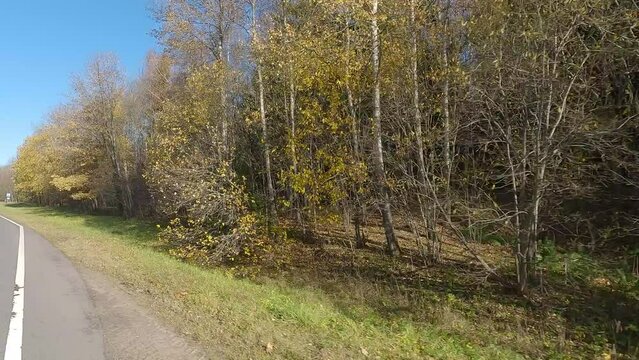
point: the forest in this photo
(484, 137)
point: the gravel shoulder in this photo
(130, 331)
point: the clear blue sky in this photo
(44, 42)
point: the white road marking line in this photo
(13, 351)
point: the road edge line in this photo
(13, 349)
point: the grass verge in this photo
(270, 318)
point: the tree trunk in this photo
(360, 241)
(123, 193)
(291, 94)
(421, 162)
(418, 115)
(267, 147)
(224, 149)
(384, 202)
(446, 98)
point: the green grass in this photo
(237, 318)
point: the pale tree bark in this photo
(226, 15)
(416, 101)
(360, 241)
(265, 139)
(295, 198)
(291, 95)
(446, 94)
(426, 210)
(224, 146)
(380, 175)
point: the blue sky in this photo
(44, 42)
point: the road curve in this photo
(60, 321)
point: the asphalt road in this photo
(59, 320)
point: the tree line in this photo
(450, 118)
(6, 181)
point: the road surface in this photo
(51, 316)
(51, 310)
